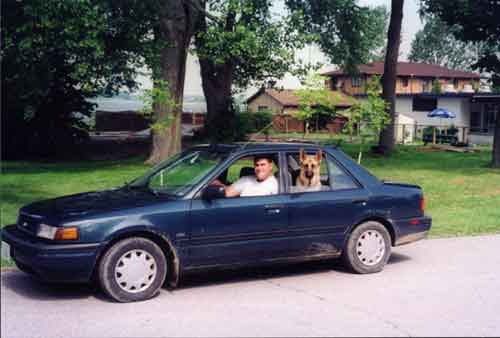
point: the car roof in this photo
(259, 146)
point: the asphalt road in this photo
(444, 287)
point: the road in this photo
(443, 287)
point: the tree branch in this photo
(196, 6)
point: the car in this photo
(172, 221)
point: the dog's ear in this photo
(319, 155)
(302, 155)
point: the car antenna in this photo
(243, 146)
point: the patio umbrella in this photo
(442, 114)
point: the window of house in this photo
(484, 121)
(427, 86)
(334, 82)
(455, 83)
(263, 108)
(332, 176)
(404, 82)
(424, 103)
(356, 81)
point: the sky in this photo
(411, 24)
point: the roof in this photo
(411, 69)
(289, 97)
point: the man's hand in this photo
(217, 182)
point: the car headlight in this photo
(57, 233)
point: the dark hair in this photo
(269, 158)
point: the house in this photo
(460, 92)
(122, 113)
(284, 104)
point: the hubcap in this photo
(135, 271)
(370, 247)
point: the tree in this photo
(436, 44)
(315, 99)
(368, 117)
(347, 33)
(386, 140)
(475, 21)
(238, 45)
(176, 26)
(55, 55)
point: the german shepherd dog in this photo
(309, 178)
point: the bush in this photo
(249, 122)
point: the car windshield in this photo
(177, 175)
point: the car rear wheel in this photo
(368, 248)
(133, 269)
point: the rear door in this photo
(318, 220)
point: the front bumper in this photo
(52, 262)
(411, 230)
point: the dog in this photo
(309, 178)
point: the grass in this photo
(462, 193)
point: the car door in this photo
(239, 229)
(319, 219)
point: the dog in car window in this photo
(309, 178)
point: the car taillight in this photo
(422, 204)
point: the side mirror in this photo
(213, 192)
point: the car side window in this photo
(310, 174)
(339, 179)
(241, 174)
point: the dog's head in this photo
(310, 164)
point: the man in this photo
(263, 183)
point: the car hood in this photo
(91, 203)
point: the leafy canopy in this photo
(261, 47)
(437, 44)
(347, 33)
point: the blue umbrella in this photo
(442, 113)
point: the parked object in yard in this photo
(173, 220)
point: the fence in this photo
(409, 133)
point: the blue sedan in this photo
(174, 220)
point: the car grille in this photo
(28, 223)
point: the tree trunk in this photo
(496, 143)
(217, 82)
(386, 141)
(177, 26)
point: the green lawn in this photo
(462, 193)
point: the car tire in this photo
(133, 269)
(368, 248)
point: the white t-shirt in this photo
(249, 186)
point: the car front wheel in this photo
(368, 248)
(133, 269)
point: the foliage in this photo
(253, 122)
(368, 117)
(314, 99)
(158, 95)
(347, 33)
(261, 48)
(55, 55)
(436, 87)
(476, 21)
(436, 44)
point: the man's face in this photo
(263, 169)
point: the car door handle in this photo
(273, 209)
(361, 201)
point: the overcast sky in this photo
(411, 24)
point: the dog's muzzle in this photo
(309, 174)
